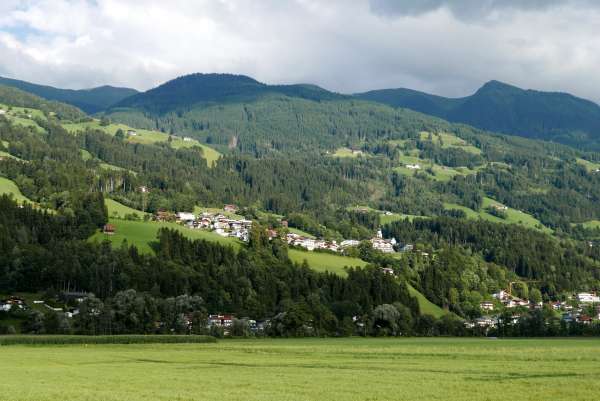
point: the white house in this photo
(588, 298)
(2, 112)
(349, 243)
(487, 305)
(186, 217)
(413, 166)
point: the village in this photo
(582, 308)
(239, 227)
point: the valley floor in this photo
(307, 369)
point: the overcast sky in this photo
(448, 47)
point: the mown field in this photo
(307, 369)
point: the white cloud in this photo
(342, 45)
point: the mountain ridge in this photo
(92, 100)
(500, 107)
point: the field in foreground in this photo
(307, 369)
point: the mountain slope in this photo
(16, 97)
(89, 100)
(499, 107)
(190, 90)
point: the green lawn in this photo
(146, 137)
(142, 233)
(320, 261)
(346, 369)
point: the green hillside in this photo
(118, 210)
(425, 305)
(9, 187)
(146, 137)
(143, 233)
(320, 261)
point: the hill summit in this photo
(198, 88)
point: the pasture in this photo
(348, 369)
(10, 188)
(513, 216)
(142, 233)
(321, 261)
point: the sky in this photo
(446, 47)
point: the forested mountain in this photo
(499, 107)
(89, 100)
(201, 89)
(482, 210)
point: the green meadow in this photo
(9, 187)
(347, 369)
(142, 233)
(513, 216)
(321, 261)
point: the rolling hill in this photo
(499, 107)
(89, 100)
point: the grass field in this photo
(142, 233)
(116, 209)
(320, 261)
(351, 369)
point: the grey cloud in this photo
(466, 9)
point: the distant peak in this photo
(496, 85)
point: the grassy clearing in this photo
(348, 369)
(322, 262)
(437, 172)
(513, 216)
(116, 209)
(427, 307)
(9, 187)
(446, 140)
(146, 137)
(142, 233)
(300, 232)
(346, 152)
(590, 166)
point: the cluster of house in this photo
(378, 243)
(571, 310)
(310, 243)
(217, 222)
(413, 166)
(12, 303)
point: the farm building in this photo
(109, 229)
